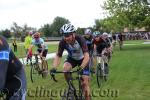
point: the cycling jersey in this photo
(12, 75)
(39, 42)
(76, 50)
(100, 45)
(28, 40)
(89, 40)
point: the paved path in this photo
(49, 56)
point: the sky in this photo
(36, 13)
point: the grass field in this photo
(128, 77)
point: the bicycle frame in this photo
(36, 68)
(100, 71)
(101, 60)
(70, 84)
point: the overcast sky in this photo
(36, 13)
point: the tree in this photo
(53, 29)
(6, 33)
(124, 13)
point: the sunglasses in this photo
(67, 34)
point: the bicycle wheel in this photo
(106, 71)
(44, 68)
(69, 95)
(33, 72)
(81, 95)
(99, 75)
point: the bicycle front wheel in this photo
(33, 72)
(100, 77)
(69, 95)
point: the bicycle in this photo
(101, 74)
(71, 92)
(38, 68)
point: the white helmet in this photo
(105, 33)
(67, 29)
(88, 31)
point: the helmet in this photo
(36, 35)
(96, 33)
(105, 33)
(67, 29)
(30, 33)
(88, 31)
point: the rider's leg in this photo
(67, 67)
(86, 82)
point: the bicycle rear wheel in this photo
(44, 68)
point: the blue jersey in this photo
(38, 43)
(12, 75)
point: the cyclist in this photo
(27, 44)
(12, 74)
(89, 38)
(106, 38)
(42, 48)
(100, 45)
(77, 55)
(120, 40)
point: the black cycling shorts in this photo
(75, 63)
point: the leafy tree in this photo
(80, 31)
(53, 29)
(6, 33)
(126, 14)
(46, 30)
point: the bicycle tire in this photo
(33, 72)
(44, 67)
(81, 95)
(98, 75)
(69, 95)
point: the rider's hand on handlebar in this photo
(81, 69)
(53, 70)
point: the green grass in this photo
(134, 42)
(128, 78)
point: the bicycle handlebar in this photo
(57, 72)
(105, 54)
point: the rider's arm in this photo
(4, 60)
(86, 53)
(58, 56)
(42, 45)
(3, 72)
(56, 61)
(85, 60)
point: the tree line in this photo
(119, 14)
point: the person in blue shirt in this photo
(12, 74)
